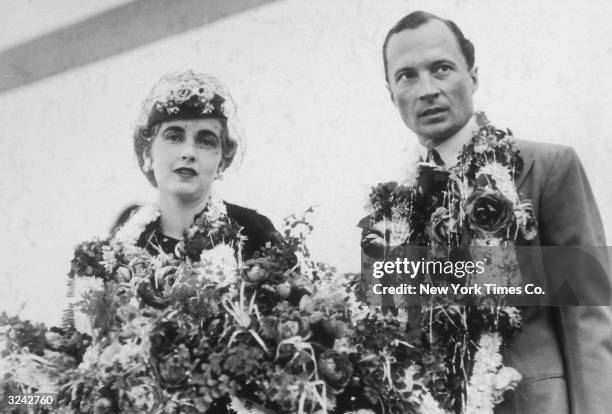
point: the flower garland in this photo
(473, 204)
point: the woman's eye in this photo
(173, 137)
(207, 141)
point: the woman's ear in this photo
(220, 170)
(147, 164)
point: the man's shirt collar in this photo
(450, 148)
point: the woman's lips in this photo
(186, 172)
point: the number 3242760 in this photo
(31, 399)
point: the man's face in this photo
(430, 82)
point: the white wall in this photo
(308, 79)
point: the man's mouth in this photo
(186, 171)
(432, 111)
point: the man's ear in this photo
(390, 93)
(474, 75)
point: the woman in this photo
(185, 139)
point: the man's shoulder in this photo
(545, 153)
(536, 149)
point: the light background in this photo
(321, 130)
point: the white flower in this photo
(408, 379)
(218, 265)
(357, 309)
(428, 404)
(402, 316)
(90, 357)
(125, 354)
(237, 405)
(505, 379)
(29, 370)
(503, 179)
(514, 316)
(480, 147)
(206, 91)
(221, 255)
(130, 232)
(109, 261)
(490, 379)
(398, 227)
(143, 397)
(342, 345)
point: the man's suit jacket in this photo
(564, 353)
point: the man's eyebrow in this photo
(446, 61)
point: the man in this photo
(563, 353)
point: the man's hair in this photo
(419, 18)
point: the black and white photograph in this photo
(289, 206)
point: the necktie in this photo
(434, 156)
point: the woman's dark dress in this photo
(257, 228)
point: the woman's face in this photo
(186, 156)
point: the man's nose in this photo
(428, 88)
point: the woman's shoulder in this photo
(244, 215)
(250, 219)
(258, 228)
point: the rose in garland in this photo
(174, 368)
(489, 211)
(291, 325)
(335, 369)
(440, 227)
(257, 270)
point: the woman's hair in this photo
(187, 95)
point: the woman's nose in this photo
(188, 151)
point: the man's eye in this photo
(405, 76)
(443, 69)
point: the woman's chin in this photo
(187, 192)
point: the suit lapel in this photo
(528, 161)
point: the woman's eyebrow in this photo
(174, 128)
(206, 131)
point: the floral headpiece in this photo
(186, 94)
